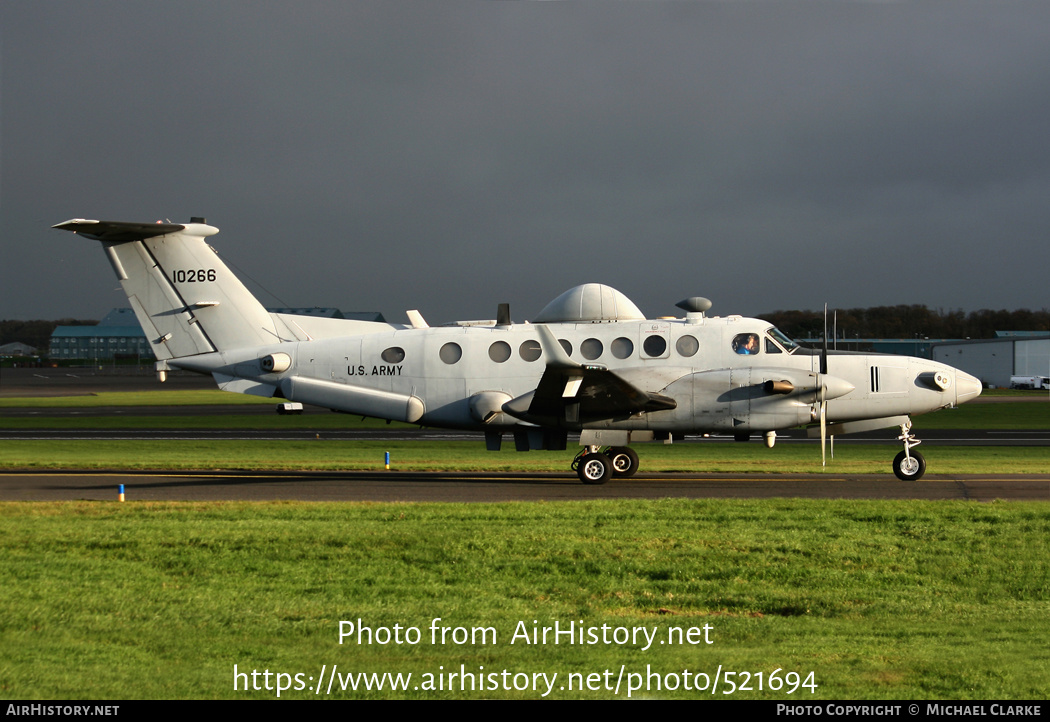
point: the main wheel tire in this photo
(624, 461)
(594, 469)
(910, 466)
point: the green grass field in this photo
(847, 599)
(878, 600)
(332, 455)
(160, 397)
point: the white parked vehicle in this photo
(1030, 382)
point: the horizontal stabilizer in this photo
(118, 231)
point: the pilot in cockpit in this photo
(746, 344)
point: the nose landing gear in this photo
(909, 465)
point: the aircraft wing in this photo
(570, 393)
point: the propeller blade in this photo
(823, 427)
(823, 393)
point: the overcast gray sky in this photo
(448, 156)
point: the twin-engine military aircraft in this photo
(590, 362)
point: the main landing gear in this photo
(909, 465)
(594, 465)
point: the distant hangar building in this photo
(119, 335)
(995, 360)
(15, 349)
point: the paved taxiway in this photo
(462, 487)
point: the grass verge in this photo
(166, 397)
(879, 600)
(368, 454)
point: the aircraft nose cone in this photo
(966, 387)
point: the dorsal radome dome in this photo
(590, 303)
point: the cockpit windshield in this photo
(786, 343)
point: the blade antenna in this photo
(824, 347)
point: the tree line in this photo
(878, 322)
(908, 322)
(36, 333)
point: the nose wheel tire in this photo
(594, 469)
(624, 461)
(910, 466)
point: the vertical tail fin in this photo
(186, 299)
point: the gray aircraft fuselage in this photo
(715, 389)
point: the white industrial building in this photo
(995, 360)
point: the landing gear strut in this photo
(594, 465)
(909, 465)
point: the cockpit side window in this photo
(782, 340)
(745, 344)
(771, 346)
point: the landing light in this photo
(938, 380)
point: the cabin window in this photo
(529, 350)
(591, 349)
(566, 345)
(499, 351)
(450, 353)
(393, 355)
(687, 346)
(622, 347)
(654, 345)
(745, 344)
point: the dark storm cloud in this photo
(448, 156)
